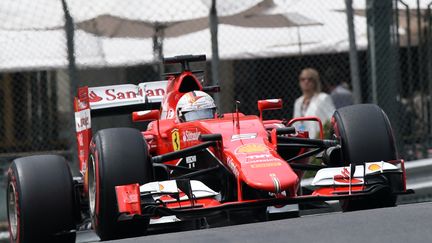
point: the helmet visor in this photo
(199, 114)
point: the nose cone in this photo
(269, 173)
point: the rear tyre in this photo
(365, 135)
(40, 199)
(119, 156)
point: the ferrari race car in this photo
(206, 168)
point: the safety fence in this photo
(378, 50)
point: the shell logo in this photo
(374, 167)
(252, 148)
(161, 187)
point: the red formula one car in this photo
(192, 163)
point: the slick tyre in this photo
(40, 200)
(119, 156)
(365, 135)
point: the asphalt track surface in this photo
(404, 223)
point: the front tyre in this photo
(40, 200)
(365, 135)
(119, 156)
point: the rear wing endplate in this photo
(106, 98)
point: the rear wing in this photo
(115, 98)
(126, 94)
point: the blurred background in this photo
(381, 50)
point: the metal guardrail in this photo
(419, 178)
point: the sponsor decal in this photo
(190, 161)
(344, 177)
(191, 135)
(232, 166)
(105, 95)
(82, 120)
(256, 158)
(374, 167)
(259, 156)
(260, 160)
(236, 137)
(155, 92)
(251, 148)
(161, 187)
(112, 94)
(93, 97)
(266, 165)
(175, 136)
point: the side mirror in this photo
(149, 115)
(270, 104)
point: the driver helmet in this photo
(195, 105)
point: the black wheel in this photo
(40, 199)
(119, 156)
(366, 135)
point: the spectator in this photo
(339, 91)
(313, 102)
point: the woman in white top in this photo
(313, 102)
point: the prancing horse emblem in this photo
(175, 135)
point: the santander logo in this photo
(112, 94)
(344, 177)
(93, 97)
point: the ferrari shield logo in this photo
(175, 135)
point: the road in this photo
(405, 223)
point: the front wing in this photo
(191, 198)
